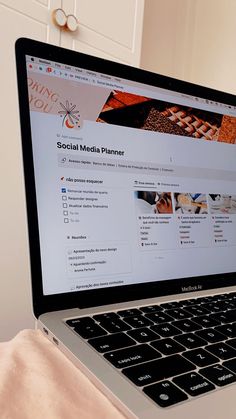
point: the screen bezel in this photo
(82, 299)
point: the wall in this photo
(192, 40)
(164, 36)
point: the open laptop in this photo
(130, 184)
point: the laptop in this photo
(130, 182)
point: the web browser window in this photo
(134, 183)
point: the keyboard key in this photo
(129, 313)
(171, 304)
(225, 305)
(231, 364)
(231, 315)
(80, 321)
(168, 346)
(219, 375)
(138, 321)
(88, 331)
(186, 303)
(220, 317)
(165, 393)
(232, 304)
(232, 342)
(203, 300)
(205, 321)
(159, 317)
(131, 356)
(114, 326)
(106, 316)
(187, 325)
(151, 309)
(221, 297)
(194, 384)
(213, 307)
(211, 335)
(197, 310)
(228, 330)
(222, 350)
(157, 370)
(200, 357)
(166, 330)
(111, 342)
(190, 340)
(179, 314)
(143, 335)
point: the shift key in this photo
(111, 342)
(157, 370)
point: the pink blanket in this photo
(38, 382)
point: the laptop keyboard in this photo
(171, 351)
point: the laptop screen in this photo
(134, 183)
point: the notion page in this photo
(134, 183)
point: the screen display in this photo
(134, 183)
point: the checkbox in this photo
(64, 198)
(65, 212)
(64, 205)
(66, 220)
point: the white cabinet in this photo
(107, 29)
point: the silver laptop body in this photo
(130, 184)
